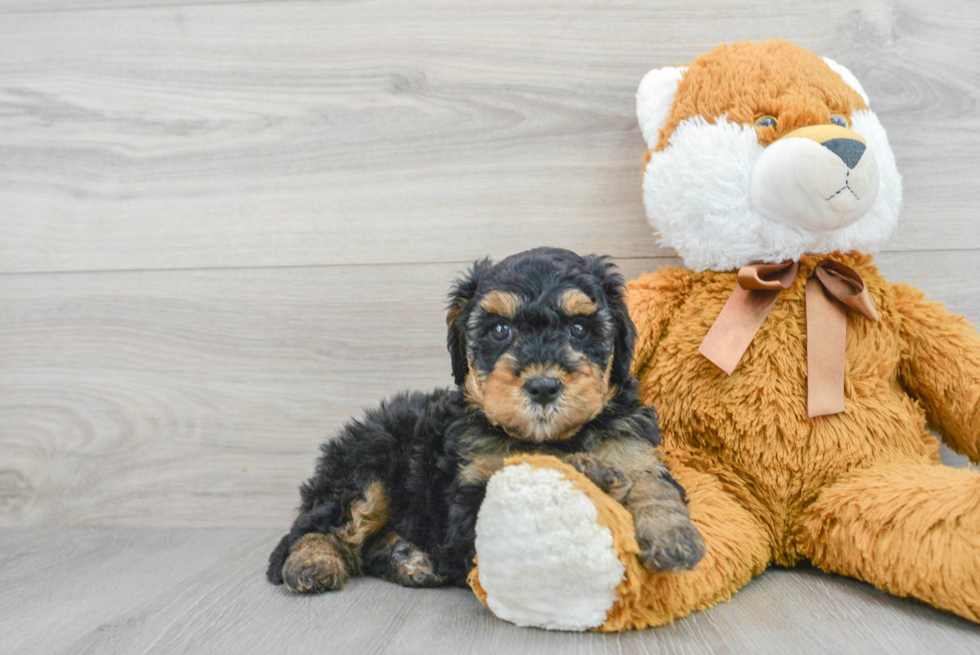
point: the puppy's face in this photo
(540, 341)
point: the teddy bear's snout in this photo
(820, 178)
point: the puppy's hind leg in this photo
(323, 561)
(391, 557)
(318, 563)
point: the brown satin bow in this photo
(830, 291)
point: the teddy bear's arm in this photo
(941, 368)
(652, 300)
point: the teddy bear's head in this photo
(762, 152)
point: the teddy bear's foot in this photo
(545, 557)
(316, 563)
(931, 551)
(556, 552)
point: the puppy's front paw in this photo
(675, 546)
(314, 565)
(610, 480)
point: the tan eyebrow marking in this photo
(575, 303)
(501, 303)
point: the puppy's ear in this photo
(459, 310)
(613, 286)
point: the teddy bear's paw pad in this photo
(676, 547)
(609, 479)
(544, 560)
(314, 566)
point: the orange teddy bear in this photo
(794, 384)
(816, 445)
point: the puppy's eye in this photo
(837, 119)
(578, 330)
(501, 332)
(766, 121)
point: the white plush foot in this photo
(544, 560)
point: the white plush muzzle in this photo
(799, 182)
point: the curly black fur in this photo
(415, 445)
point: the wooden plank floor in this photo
(129, 590)
(228, 225)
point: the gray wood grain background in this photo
(225, 227)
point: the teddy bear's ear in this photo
(654, 99)
(848, 78)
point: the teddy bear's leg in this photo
(738, 547)
(910, 529)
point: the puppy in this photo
(541, 346)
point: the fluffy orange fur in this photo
(786, 81)
(859, 493)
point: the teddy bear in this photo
(795, 386)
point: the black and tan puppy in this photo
(541, 345)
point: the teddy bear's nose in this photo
(849, 150)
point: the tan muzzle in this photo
(844, 143)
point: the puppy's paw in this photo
(610, 480)
(676, 546)
(416, 570)
(314, 565)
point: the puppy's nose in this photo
(543, 390)
(849, 150)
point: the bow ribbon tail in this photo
(732, 332)
(826, 337)
(830, 292)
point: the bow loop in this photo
(844, 284)
(759, 286)
(769, 277)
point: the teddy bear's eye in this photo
(837, 119)
(766, 121)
